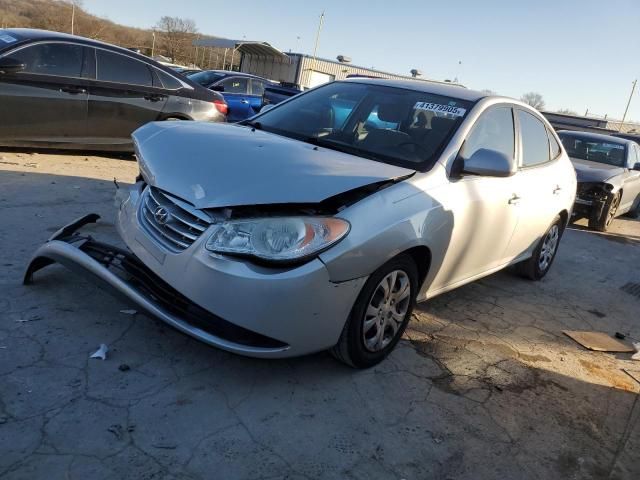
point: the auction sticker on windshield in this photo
(8, 38)
(438, 108)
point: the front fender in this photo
(386, 224)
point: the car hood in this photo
(588, 171)
(216, 165)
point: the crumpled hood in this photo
(214, 165)
(588, 171)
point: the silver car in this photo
(318, 224)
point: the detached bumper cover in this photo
(128, 277)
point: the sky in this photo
(579, 54)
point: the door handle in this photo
(244, 101)
(73, 90)
(515, 199)
(557, 189)
(154, 97)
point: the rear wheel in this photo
(608, 214)
(380, 315)
(540, 262)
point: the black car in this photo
(608, 171)
(64, 91)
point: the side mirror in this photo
(11, 65)
(488, 163)
(218, 88)
(636, 166)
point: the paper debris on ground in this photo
(636, 356)
(598, 341)
(30, 318)
(129, 312)
(101, 352)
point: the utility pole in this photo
(153, 43)
(315, 48)
(633, 89)
(73, 15)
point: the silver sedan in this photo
(318, 224)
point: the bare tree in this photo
(566, 111)
(176, 36)
(534, 99)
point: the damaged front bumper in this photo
(590, 201)
(258, 305)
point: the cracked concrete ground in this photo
(485, 385)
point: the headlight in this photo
(277, 238)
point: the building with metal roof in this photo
(264, 60)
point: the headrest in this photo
(392, 112)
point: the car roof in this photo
(436, 88)
(229, 73)
(31, 34)
(27, 35)
(601, 137)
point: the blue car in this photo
(242, 91)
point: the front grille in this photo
(182, 226)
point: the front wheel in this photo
(540, 262)
(380, 315)
(609, 212)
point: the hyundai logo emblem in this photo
(161, 215)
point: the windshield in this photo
(392, 125)
(594, 150)
(205, 78)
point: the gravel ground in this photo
(484, 386)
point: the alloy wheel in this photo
(386, 311)
(613, 208)
(549, 246)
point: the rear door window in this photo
(235, 85)
(535, 142)
(118, 68)
(57, 59)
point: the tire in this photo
(367, 339)
(602, 223)
(536, 267)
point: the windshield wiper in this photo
(342, 147)
(254, 125)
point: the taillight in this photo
(221, 106)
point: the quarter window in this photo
(117, 68)
(235, 85)
(535, 142)
(59, 59)
(168, 81)
(555, 147)
(493, 131)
